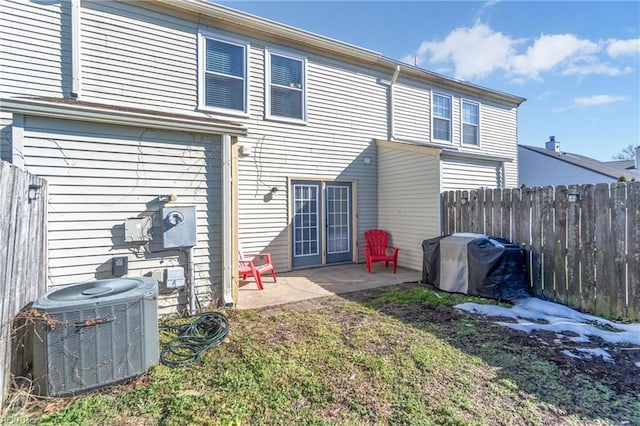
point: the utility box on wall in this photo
(179, 227)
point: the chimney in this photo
(638, 158)
(553, 145)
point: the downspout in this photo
(391, 85)
(75, 49)
(191, 281)
(227, 251)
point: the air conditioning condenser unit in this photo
(95, 334)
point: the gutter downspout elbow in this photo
(391, 85)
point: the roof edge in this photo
(253, 23)
(106, 114)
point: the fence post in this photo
(633, 250)
(548, 242)
(574, 247)
(619, 245)
(560, 244)
(604, 249)
(588, 261)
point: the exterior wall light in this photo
(34, 192)
(574, 197)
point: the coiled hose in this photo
(203, 332)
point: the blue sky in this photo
(577, 63)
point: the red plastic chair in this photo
(248, 267)
(377, 249)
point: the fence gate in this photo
(23, 257)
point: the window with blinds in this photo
(224, 74)
(285, 87)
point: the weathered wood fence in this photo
(23, 255)
(583, 240)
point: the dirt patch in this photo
(621, 376)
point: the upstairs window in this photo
(223, 71)
(470, 121)
(285, 92)
(442, 118)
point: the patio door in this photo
(322, 225)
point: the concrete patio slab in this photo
(313, 283)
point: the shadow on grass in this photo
(593, 390)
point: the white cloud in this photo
(597, 100)
(594, 67)
(477, 51)
(616, 48)
(549, 52)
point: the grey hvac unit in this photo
(94, 334)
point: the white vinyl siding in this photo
(346, 111)
(470, 123)
(223, 81)
(285, 89)
(100, 174)
(35, 51)
(411, 111)
(468, 174)
(134, 56)
(441, 117)
(499, 136)
(409, 198)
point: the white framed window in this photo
(470, 123)
(285, 87)
(223, 82)
(441, 117)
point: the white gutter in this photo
(227, 253)
(75, 49)
(245, 23)
(123, 117)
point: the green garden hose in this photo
(201, 333)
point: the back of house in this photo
(276, 138)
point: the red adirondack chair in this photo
(247, 267)
(377, 249)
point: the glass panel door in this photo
(338, 222)
(306, 224)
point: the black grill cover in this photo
(490, 271)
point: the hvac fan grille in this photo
(92, 347)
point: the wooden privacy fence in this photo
(23, 251)
(583, 240)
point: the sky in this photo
(576, 62)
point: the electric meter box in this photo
(178, 227)
(137, 229)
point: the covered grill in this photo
(475, 264)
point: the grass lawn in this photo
(397, 355)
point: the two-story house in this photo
(284, 141)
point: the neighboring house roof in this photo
(601, 167)
(623, 165)
(244, 23)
